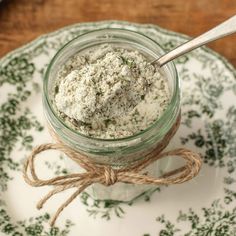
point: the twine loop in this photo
(105, 174)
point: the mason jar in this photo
(120, 152)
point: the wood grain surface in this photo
(23, 20)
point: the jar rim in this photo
(163, 116)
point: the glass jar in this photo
(114, 152)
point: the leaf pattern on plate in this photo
(34, 226)
(208, 85)
(16, 122)
(214, 220)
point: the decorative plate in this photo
(203, 206)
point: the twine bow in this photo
(106, 175)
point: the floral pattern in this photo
(215, 220)
(15, 122)
(218, 141)
(208, 117)
(17, 71)
(34, 226)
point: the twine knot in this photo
(110, 176)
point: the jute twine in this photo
(105, 174)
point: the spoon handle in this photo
(226, 28)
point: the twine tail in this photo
(50, 194)
(68, 201)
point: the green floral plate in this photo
(204, 206)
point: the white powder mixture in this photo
(110, 92)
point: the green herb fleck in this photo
(106, 122)
(56, 89)
(129, 63)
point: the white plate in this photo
(204, 206)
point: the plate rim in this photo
(42, 37)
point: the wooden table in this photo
(23, 20)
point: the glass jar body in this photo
(114, 152)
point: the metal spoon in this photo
(226, 28)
